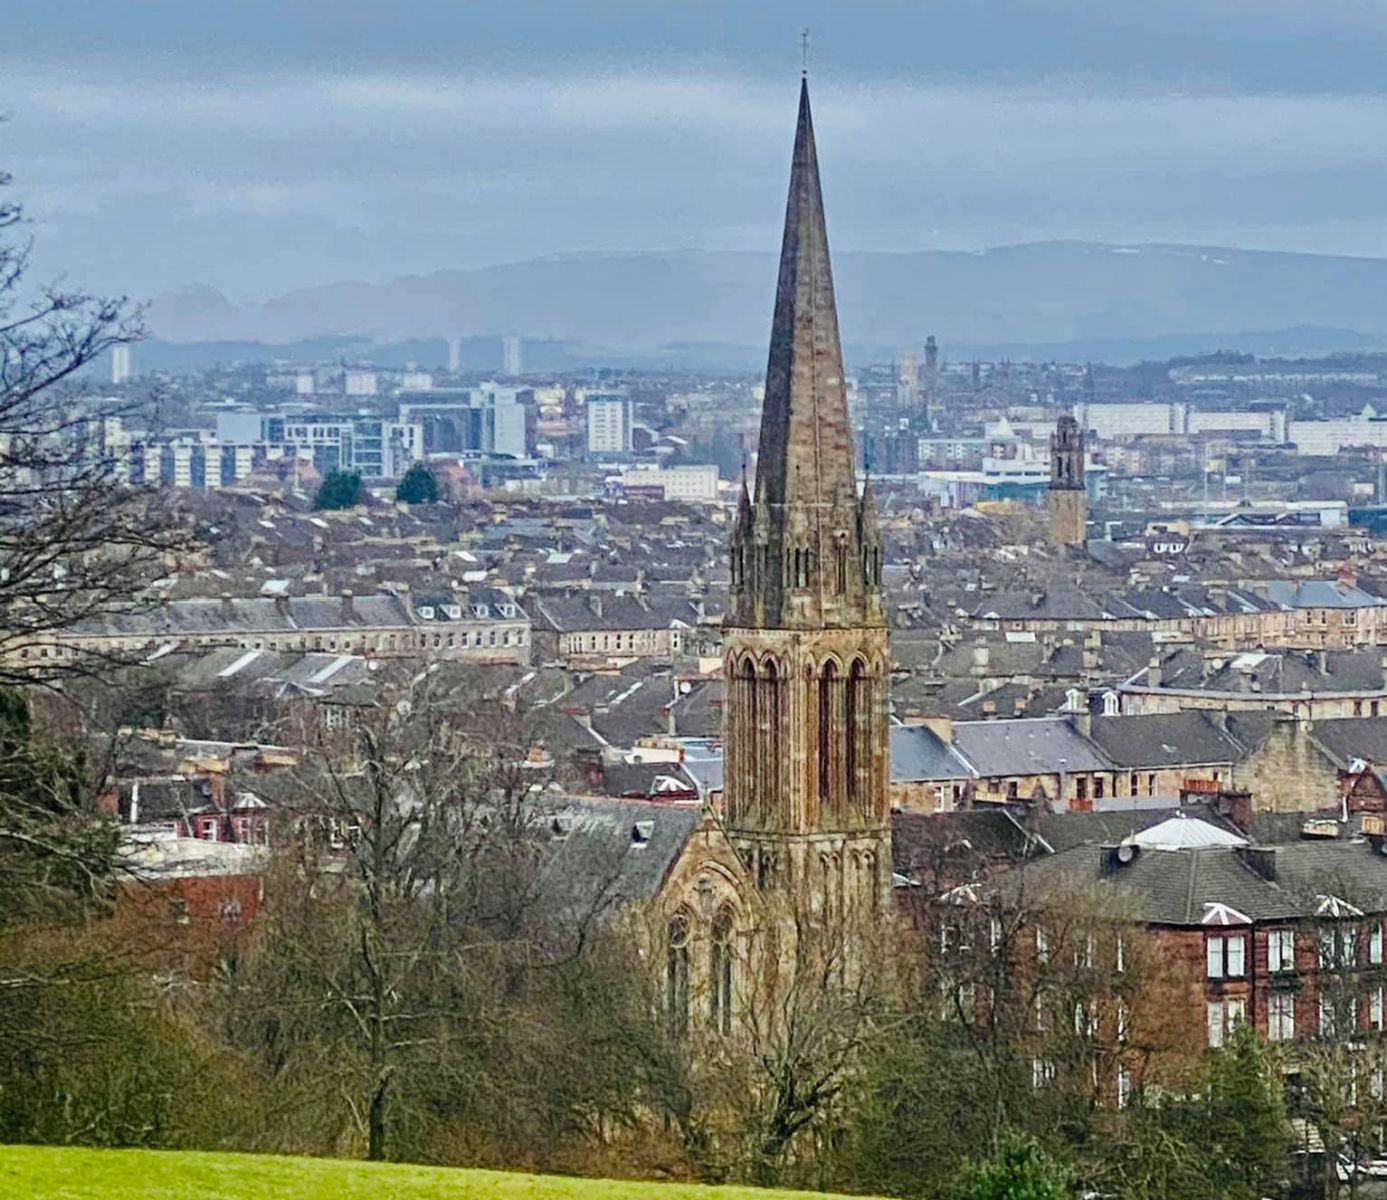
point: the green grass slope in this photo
(63, 1173)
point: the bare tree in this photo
(77, 541)
(416, 851)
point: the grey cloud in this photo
(144, 180)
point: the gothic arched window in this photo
(828, 682)
(677, 975)
(720, 973)
(748, 742)
(854, 732)
(769, 751)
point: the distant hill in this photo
(1061, 297)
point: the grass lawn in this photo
(62, 1173)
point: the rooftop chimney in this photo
(1261, 859)
(348, 608)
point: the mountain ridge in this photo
(1058, 292)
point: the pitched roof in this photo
(1034, 746)
(1166, 740)
(917, 752)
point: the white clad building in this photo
(360, 383)
(1130, 418)
(690, 484)
(1329, 437)
(609, 424)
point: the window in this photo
(1085, 1020)
(1121, 955)
(1338, 947)
(1124, 1087)
(677, 977)
(1280, 950)
(1042, 1072)
(1042, 945)
(994, 934)
(1124, 1020)
(720, 974)
(1225, 956)
(1151, 785)
(1098, 788)
(1081, 788)
(1375, 1009)
(207, 828)
(1375, 945)
(1083, 951)
(1348, 946)
(1223, 1017)
(1281, 1017)
(1336, 1015)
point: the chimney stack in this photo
(348, 609)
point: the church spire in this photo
(806, 443)
(802, 545)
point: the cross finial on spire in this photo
(804, 53)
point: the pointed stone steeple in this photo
(806, 651)
(801, 561)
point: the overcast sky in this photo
(266, 144)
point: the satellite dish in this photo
(1126, 852)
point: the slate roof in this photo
(248, 614)
(567, 614)
(922, 844)
(1038, 746)
(1176, 887)
(1166, 740)
(1347, 738)
(918, 753)
(1320, 593)
(1063, 831)
(595, 850)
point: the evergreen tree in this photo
(1243, 1124)
(1020, 1170)
(340, 489)
(419, 486)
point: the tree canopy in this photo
(419, 486)
(340, 489)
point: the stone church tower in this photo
(1068, 502)
(807, 663)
